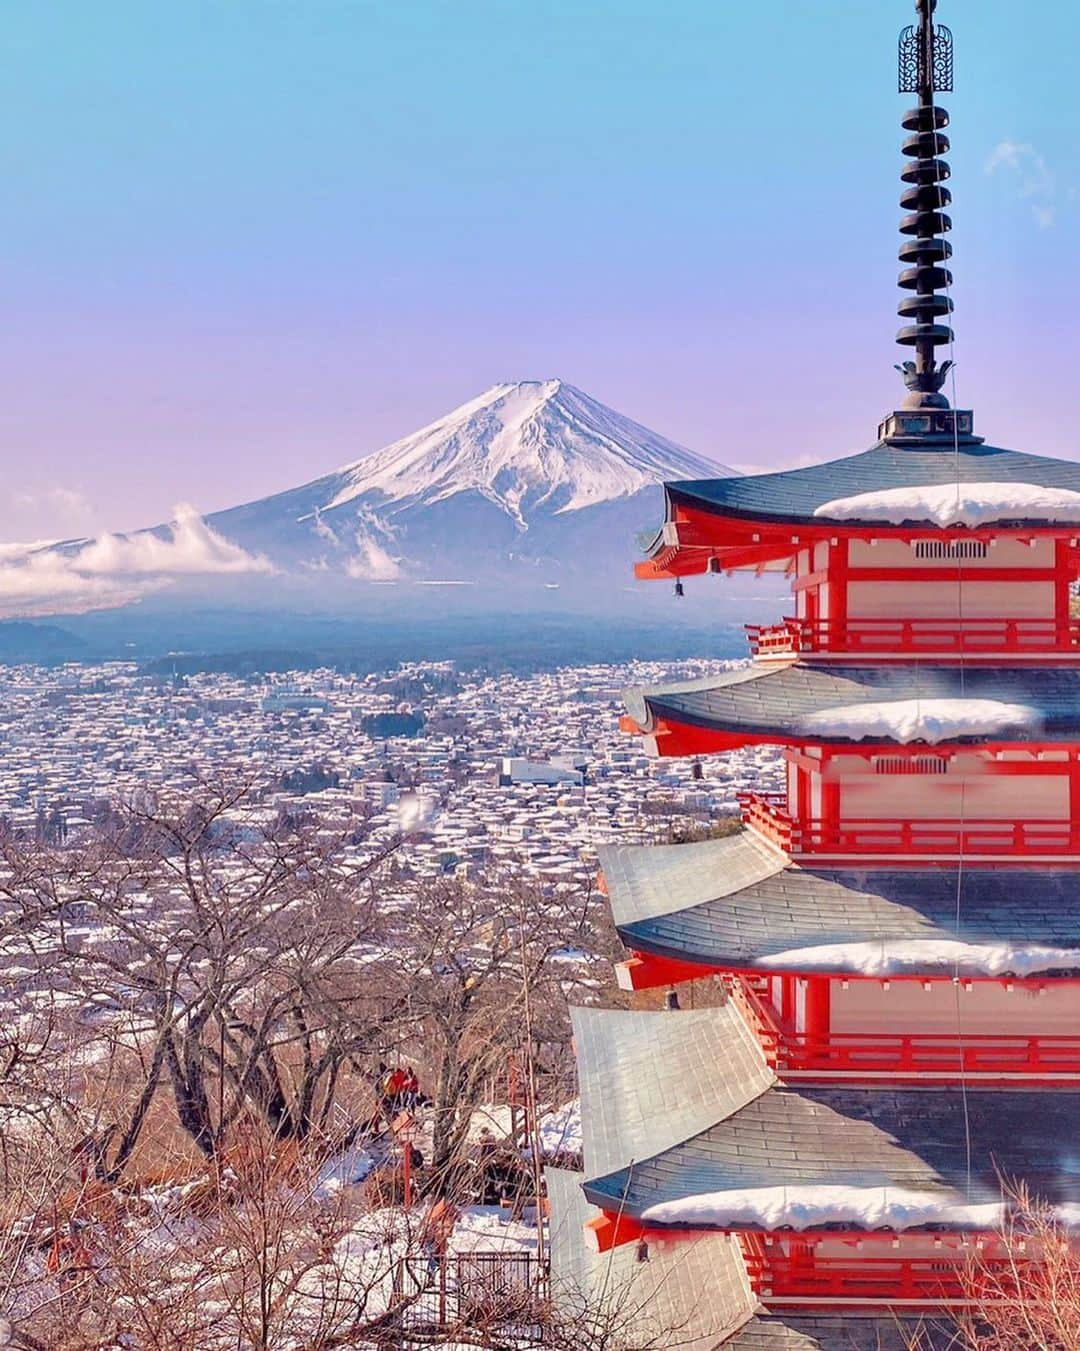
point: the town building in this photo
(827, 1154)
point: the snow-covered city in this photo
(526, 774)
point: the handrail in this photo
(889, 634)
(975, 1053)
(851, 1052)
(769, 815)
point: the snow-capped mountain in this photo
(525, 479)
(530, 487)
(527, 447)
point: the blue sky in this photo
(248, 240)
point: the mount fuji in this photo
(533, 482)
(528, 496)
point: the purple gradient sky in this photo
(247, 243)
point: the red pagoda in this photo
(892, 1043)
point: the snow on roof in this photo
(890, 957)
(814, 1205)
(948, 504)
(930, 720)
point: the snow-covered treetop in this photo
(525, 446)
(949, 504)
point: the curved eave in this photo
(770, 705)
(753, 521)
(675, 738)
(917, 1139)
(729, 909)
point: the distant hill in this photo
(40, 644)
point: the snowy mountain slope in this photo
(514, 480)
(526, 446)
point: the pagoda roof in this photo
(793, 495)
(804, 1141)
(773, 703)
(697, 1286)
(733, 903)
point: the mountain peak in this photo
(530, 446)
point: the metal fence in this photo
(478, 1289)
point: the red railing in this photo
(929, 1052)
(852, 1053)
(850, 1279)
(868, 636)
(768, 814)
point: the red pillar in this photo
(817, 1015)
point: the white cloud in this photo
(190, 547)
(372, 563)
(115, 569)
(1032, 175)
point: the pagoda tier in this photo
(845, 1196)
(811, 705)
(738, 904)
(701, 1288)
(889, 951)
(853, 972)
(762, 521)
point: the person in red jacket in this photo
(393, 1090)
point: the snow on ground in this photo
(946, 504)
(560, 1131)
(890, 957)
(349, 1168)
(930, 720)
(809, 1206)
(490, 1229)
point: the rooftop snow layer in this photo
(891, 957)
(811, 1207)
(931, 720)
(948, 504)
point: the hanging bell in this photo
(679, 589)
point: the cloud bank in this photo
(114, 570)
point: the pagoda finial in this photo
(926, 67)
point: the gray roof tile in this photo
(650, 1080)
(911, 1138)
(695, 1289)
(764, 702)
(844, 1332)
(794, 494)
(734, 902)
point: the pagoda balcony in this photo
(912, 637)
(877, 1268)
(768, 814)
(858, 1056)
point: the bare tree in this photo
(1025, 1294)
(226, 949)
